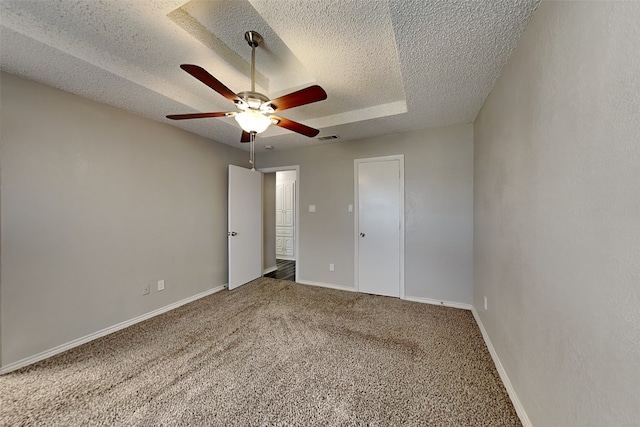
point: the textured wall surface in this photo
(557, 215)
(438, 209)
(96, 203)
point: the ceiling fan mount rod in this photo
(254, 39)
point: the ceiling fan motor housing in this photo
(253, 100)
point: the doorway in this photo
(281, 222)
(285, 215)
(379, 240)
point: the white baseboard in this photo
(326, 285)
(439, 302)
(414, 299)
(524, 418)
(106, 331)
(269, 270)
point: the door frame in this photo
(356, 162)
(296, 226)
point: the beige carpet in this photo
(271, 353)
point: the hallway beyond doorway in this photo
(286, 270)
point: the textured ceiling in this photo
(387, 66)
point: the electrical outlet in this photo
(331, 267)
(145, 291)
(161, 285)
(485, 303)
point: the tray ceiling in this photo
(387, 66)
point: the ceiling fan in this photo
(255, 111)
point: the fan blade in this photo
(302, 97)
(295, 126)
(206, 78)
(196, 116)
(246, 137)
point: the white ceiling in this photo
(388, 66)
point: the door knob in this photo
(361, 234)
(232, 233)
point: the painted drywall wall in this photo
(438, 209)
(96, 203)
(269, 221)
(557, 215)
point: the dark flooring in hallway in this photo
(286, 270)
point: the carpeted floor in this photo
(271, 353)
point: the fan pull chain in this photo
(252, 156)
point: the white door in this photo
(245, 225)
(380, 224)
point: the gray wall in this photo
(557, 215)
(438, 209)
(96, 203)
(269, 220)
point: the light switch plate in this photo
(312, 208)
(350, 208)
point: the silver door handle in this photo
(361, 234)
(232, 233)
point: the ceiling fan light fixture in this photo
(255, 111)
(253, 121)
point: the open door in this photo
(245, 226)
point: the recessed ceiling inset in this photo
(220, 24)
